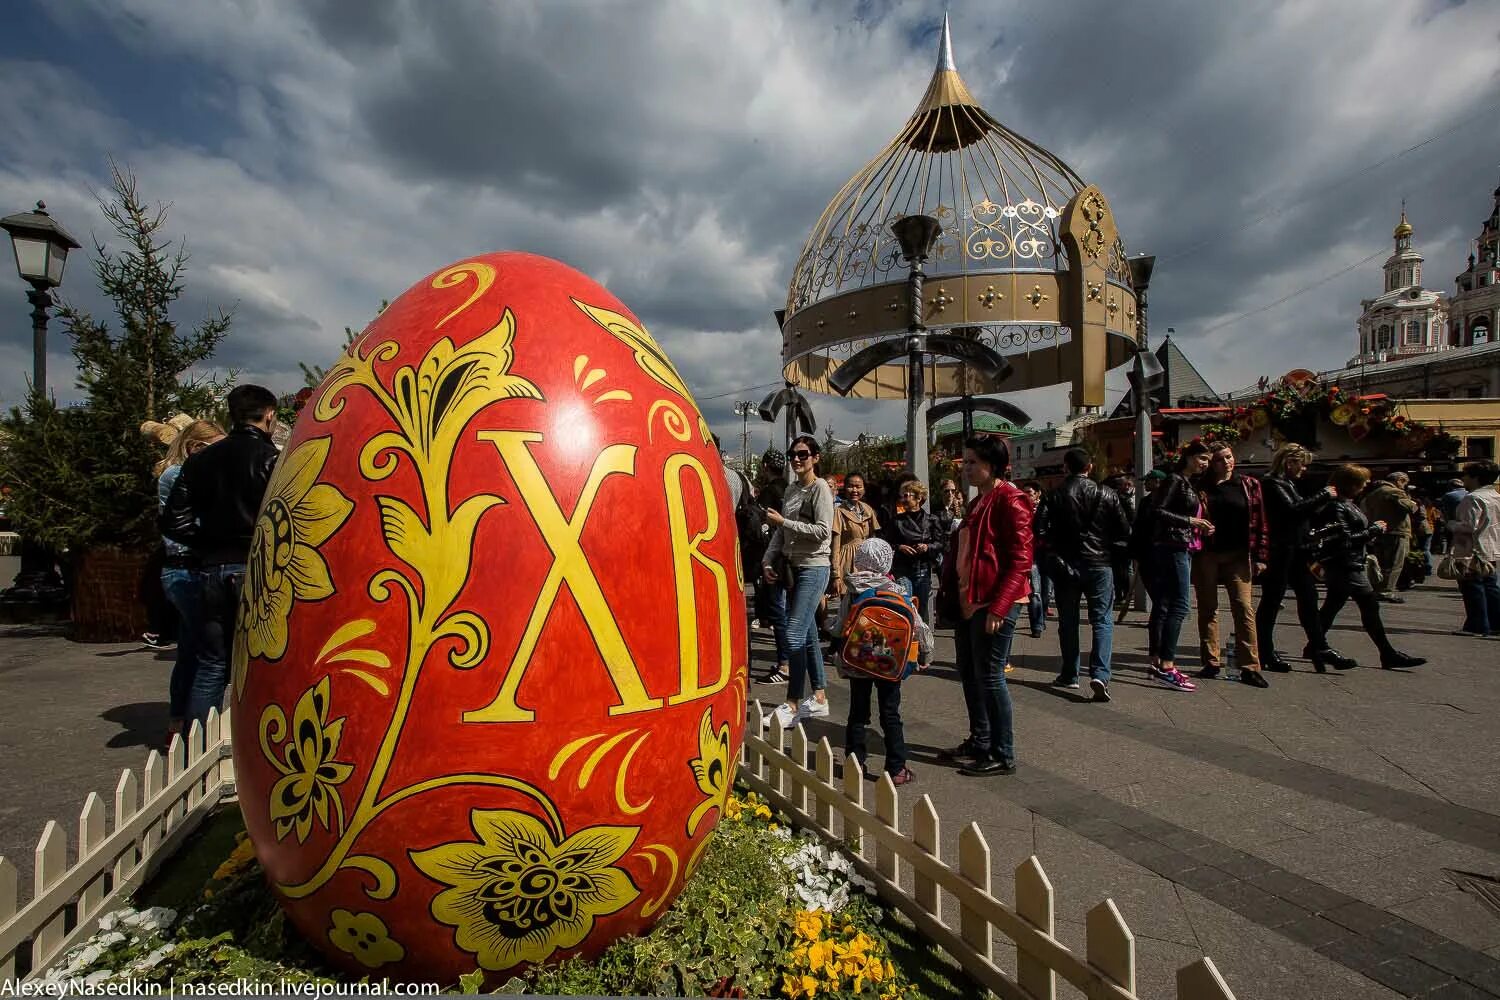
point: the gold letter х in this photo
(571, 566)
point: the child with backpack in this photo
(884, 639)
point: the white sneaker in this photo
(785, 716)
(811, 708)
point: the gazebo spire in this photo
(945, 49)
(947, 117)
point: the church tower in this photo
(1476, 303)
(1405, 319)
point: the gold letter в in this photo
(570, 566)
(685, 552)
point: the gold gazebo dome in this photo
(1028, 259)
(1403, 228)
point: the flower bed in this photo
(769, 913)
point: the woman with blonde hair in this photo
(918, 538)
(1287, 514)
(179, 576)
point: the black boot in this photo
(1397, 660)
(1276, 664)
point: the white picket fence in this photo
(153, 814)
(879, 850)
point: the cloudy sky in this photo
(323, 155)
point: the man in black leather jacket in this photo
(1082, 531)
(213, 508)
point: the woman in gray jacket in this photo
(800, 549)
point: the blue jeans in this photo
(1097, 584)
(1169, 582)
(1036, 608)
(919, 587)
(221, 599)
(802, 631)
(1482, 605)
(981, 668)
(184, 589)
(775, 607)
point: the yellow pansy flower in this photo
(364, 935)
(809, 924)
(517, 895)
(299, 514)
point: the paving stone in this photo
(1456, 915)
(1360, 917)
(1281, 882)
(1204, 877)
(1318, 898)
(1313, 931)
(1409, 976)
(1356, 952)
(1246, 866)
(1458, 990)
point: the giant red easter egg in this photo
(489, 676)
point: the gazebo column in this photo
(1089, 235)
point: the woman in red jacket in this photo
(984, 588)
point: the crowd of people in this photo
(1202, 527)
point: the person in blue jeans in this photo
(1177, 525)
(180, 578)
(982, 590)
(1476, 534)
(1082, 531)
(1036, 604)
(212, 509)
(801, 546)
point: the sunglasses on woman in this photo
(799, 455)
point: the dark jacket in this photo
(919, 527)
(1340, 539)
(1260, 538)
(1288, 511)
(999, 568)
(1173, 511)
(216, 499)
(1389, 503)
(1082, 522)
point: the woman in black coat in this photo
(1339, 544)
(918, 537)
(1287, 515)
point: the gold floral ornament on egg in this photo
(364, 935)
(518, 895)
(310, 778)
(285, 566)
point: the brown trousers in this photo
(1233, 572)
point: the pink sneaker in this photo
(1172, 678)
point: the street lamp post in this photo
(916, 234)
(41, 247)
(742, 409)
(1141, 267)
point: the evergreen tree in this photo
(82, 475)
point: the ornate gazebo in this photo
(1027, 262)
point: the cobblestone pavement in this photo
(1318, 839)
